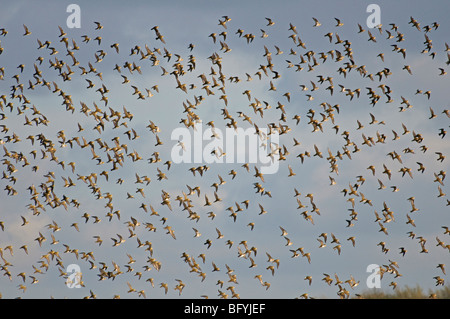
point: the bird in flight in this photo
(79, 162)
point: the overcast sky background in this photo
(183, 23)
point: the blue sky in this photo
(182, 24)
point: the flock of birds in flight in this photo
(28, 153)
